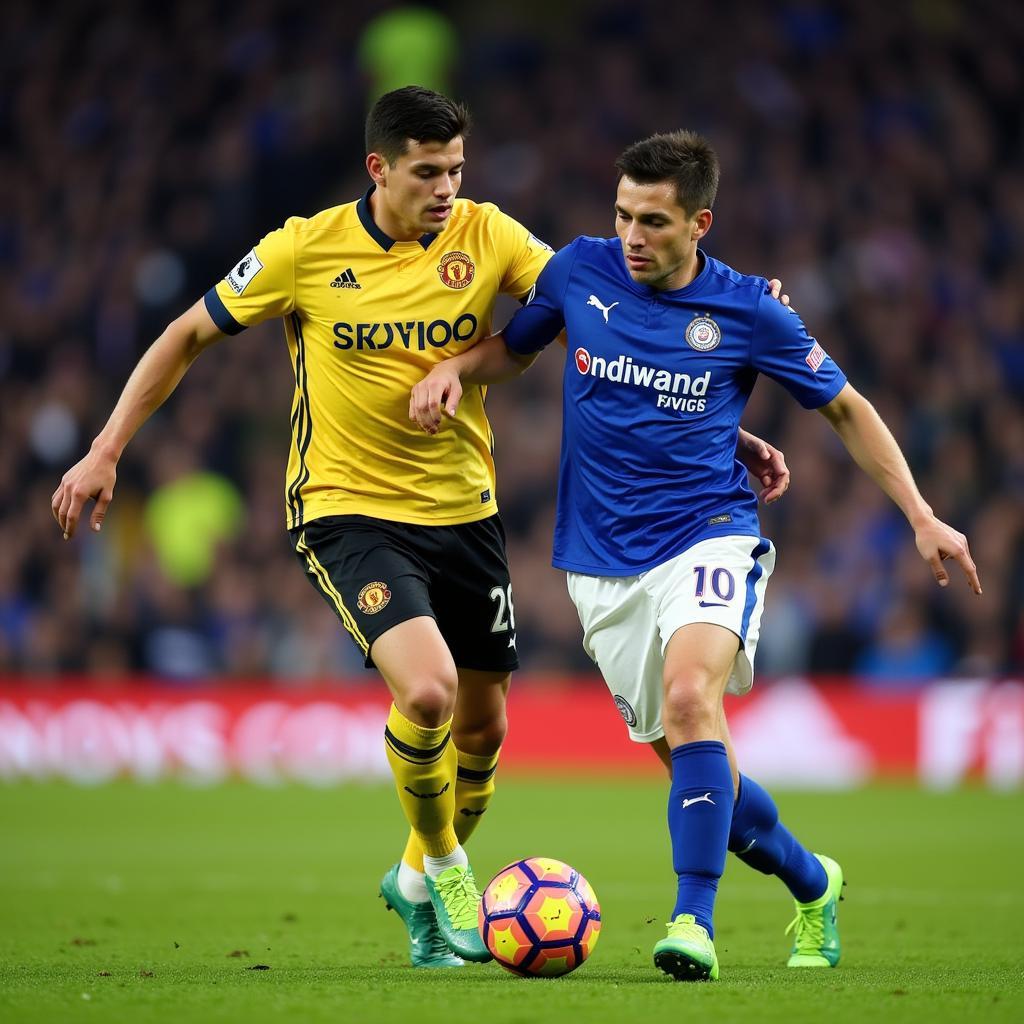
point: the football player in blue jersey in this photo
(656, 525)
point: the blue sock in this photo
(699, 812)
(759, 839)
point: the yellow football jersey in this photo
(365, 318)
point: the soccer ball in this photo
(540, 917)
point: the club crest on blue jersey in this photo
(703, 334)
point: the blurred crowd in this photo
(872, 158)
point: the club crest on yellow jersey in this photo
(456, 270)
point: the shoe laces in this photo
(684, 926)
(461, 898)
(809, 929)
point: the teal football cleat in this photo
(456, 901)
(816, 938)
(687, 952)
(427, 948)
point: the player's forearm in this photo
(151, 382)
(490, 362)
(875, 450)
(744, 440)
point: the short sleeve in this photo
(521, 255)
(782, 349)
(260, 286)
(541, 320)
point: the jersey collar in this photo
(370, 225)
(688, 291)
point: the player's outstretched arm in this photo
(875, 450)
(764, 462)
(153, 379)
(488, 362)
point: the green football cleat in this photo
(816, 938)
(427, 948)
(456, 901)
(687, 952)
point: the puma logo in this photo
(706, 799)
(595, 301)
(428, 796)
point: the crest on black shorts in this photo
(628, 714)
(373, 597)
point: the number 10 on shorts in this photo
(723, 584)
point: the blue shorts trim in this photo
(761, 548)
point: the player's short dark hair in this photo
(413, 112)
(685, 158)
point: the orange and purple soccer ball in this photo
(540, 917)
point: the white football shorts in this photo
(629, 620)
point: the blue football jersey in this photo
(654, 386)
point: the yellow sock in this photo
(413, 854)
(474, 788)
(424, 763)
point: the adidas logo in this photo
(346, 279)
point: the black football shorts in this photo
(375, 574)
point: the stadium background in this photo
(871, 158)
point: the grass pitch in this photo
(157, 903)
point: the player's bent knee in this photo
(689, 724)
(691, 705)
(692, 689)
(481, 739)
(430, 702)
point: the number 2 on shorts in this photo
(503, 597)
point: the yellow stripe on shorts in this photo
(321, 575)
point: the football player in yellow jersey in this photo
(397, 531)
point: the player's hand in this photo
(765, 463)
(440, 391)
(777, 293)
(936, 542)
(93, 477)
